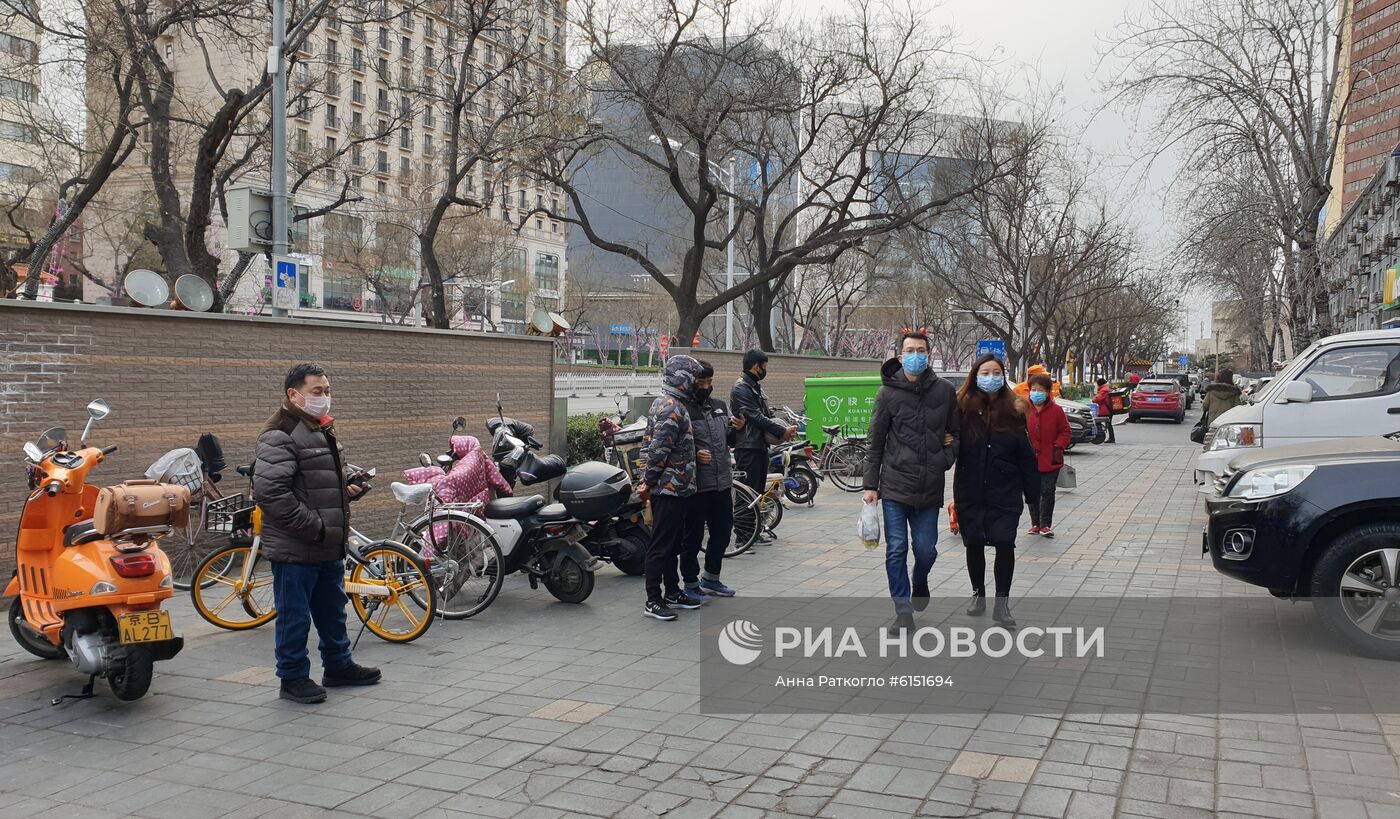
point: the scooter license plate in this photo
(145, 627)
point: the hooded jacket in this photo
(1023, 389)
(997, 477)
(1219, 398)
(668, 450)
(710, 422)
(299, 482)
(905, 456)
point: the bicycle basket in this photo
(191, 480)
(230, 514)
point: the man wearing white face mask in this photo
(299, 482)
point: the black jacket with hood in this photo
(299, 482)
(906, 459)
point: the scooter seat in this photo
(84, 531)
(554, 511)
(508, 508)
(831, 430)
(246, 470)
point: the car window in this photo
(1157, 386)
(1354, 372)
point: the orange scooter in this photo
(89, 589)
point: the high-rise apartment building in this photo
(20, 156)
(368, 122)
(1369, 82)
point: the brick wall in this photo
(787, 374)
(170, 376)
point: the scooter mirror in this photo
(424, 459)
(33, 452)
(459, 424)
(98, 409)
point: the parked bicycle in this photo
(842, 459)
(389, 586)
(218, 521)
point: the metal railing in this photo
(577, 385)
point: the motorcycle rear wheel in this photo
(42, 649)
(806, 491)
(568, 580)
(635, 563)
(132, 679)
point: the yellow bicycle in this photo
(388, 584)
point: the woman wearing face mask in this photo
(1048, 429)
(996, 474)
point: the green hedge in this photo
(1079, 392)
(585, 443)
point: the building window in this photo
(17, 89)
(405, 140)
(10, 172)
(547, 271)
(383, 101)
(428, 58)
(406, 48)
(384, 38)
(332, 52)
(357, 121)
(18, 131)
(26, 50)
(357, 59)
(357, 92)
(382, 165)
(428, 149)
(356, 156)
(383, 187)
(403, 166)
(303, 140)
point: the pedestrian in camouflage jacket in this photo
(668, 451)
(668, 481)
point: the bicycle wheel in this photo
(187, 547)
(392, 592)
(771, 510)
(227, 596)
(746, 523)
(845, 465)
(465, 563)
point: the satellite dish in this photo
(147, 288)
(540, 323)
(193, 293)
(545, 323)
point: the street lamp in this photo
(729, 235)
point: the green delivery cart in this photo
(842, 402)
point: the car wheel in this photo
(1180, 416)
(1356, 589)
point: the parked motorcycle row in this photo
(92, 575)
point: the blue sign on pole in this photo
(284, 282)
(1185, 361)
(991, 346)
(620, 329)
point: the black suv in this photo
(1319, 521)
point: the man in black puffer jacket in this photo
(912, 444)
(299, 483)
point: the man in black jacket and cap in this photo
(912, 444)
(299, 483)
(748, 402)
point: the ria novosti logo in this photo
(740, 642)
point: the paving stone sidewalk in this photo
(539, 709)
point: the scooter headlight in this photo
(103, 587)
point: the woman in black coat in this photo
(996, 478)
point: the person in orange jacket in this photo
(1023, 389)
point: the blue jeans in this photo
(307, 593)
(901, 522)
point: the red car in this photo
(1158, 398)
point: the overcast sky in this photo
(1063, 41)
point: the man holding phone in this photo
(749, 403)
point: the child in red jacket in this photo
(1104, 399)
(1048, 429)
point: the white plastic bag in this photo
(868, 525)
(1068, 478)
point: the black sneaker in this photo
(920, 599)
(303, 691)
(679, 600)
(658, 610)
(354, 675)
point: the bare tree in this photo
(1250, 81)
